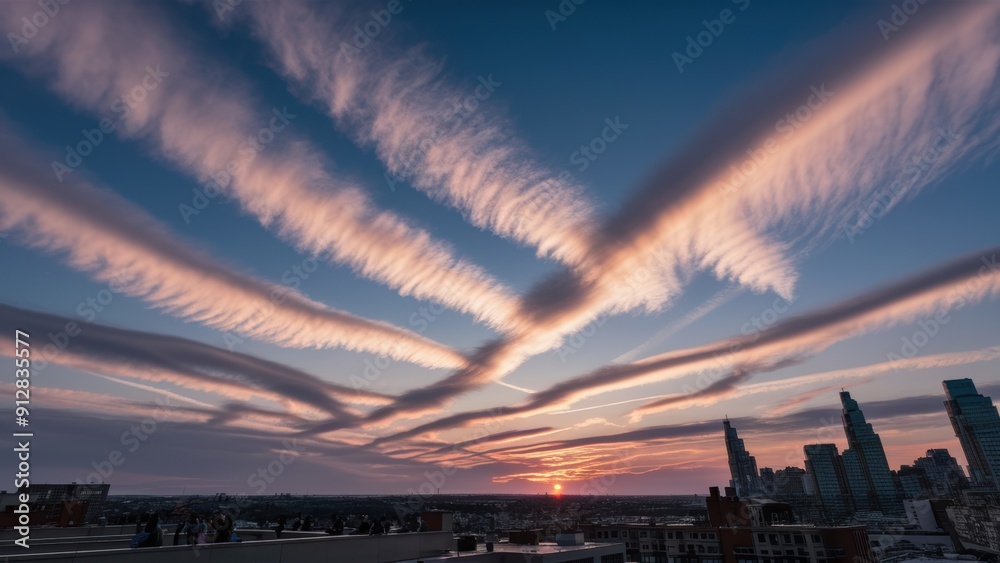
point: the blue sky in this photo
(780, 235)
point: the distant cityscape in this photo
(857, 485)
(844, 506)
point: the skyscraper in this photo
(861, 494)
(742, 465)
(788, 482)
(913, 482)
(825, 469)
(867, 446)
(977, 426)
(767, 487)
(944, 475)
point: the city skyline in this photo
(381, 247)
(858, 481)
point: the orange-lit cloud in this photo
(199, 118)
(443, 139)
(120, 244)
(681, 220)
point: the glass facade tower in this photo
(867, 446)
(742, 465)
(825, 469)
(977, 426)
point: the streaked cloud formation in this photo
(193, 121)
(121, 245)
(749, 200)
(443, 139)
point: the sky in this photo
(403, 247)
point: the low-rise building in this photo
(738, 531)
(975, 520)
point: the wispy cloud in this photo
(136, 355)
(200, 119)
(730, 388)
(118, 243)
(681, 219)
(713, 303)
(426, 129)
(946, 288)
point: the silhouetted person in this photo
(365, 527)
(337, 528)
(307, 523)
(280, 527)
(155, 537)
(421, 525)
(381, 527)
(297, 524)
(192, 528)
(223, 525)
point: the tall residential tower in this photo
(825, 471)
(868, 461)
(742, 465)
(977, 426)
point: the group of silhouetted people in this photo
(300, 524)
(220, 528)
(198, 531)
(367, 526)
(384, 525)
(373, 528)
